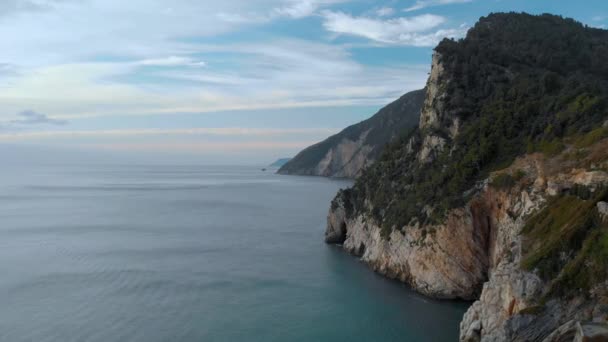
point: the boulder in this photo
(602, 208)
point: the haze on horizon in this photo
(217, 82)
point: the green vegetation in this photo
(567, 243)
(591, 137)
(506, 180)
(517, 83)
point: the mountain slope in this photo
(350, 151)
(499, 194)
(280, 162)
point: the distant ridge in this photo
(280, 162)
(347, 153)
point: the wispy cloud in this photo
(143, 132)
(421, 4)
(204, 147)
(295, 9)
(171, 61)
(385, 11)
(132, 65)
(298, 8)
(284, 73)
(30, 117)
(412, 31)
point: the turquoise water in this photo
(190, 253)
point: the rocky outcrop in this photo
(448, 260)
(510, 306)
(602, 208)
(436, 261)
(347, 153)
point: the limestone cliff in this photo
(477, 253)
(500, 194)
(347, 153)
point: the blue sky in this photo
(220, 81)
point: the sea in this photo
(144, 252)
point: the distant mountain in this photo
(347, 153)
(280, 162)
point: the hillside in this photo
(347, 153)
(500, 193)
(280, 162)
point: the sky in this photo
(231, 81)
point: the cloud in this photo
(420, 4)
(7, 69)
(15, 6)
(137, 29)
(385, 11)
(143, 132)
(243, 18)
(171, 61)
(280, 73)
(298, 8)
(89, 66)
(295, 9)
(403, 31)
(30, 117)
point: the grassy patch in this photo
(589, 267)
(551, 148)
(591, 137)
(507, 180)
(567, 244)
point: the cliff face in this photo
(478, 252)
(347, 153)
(525, 301)
(500, 194)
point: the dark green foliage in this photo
(503, 181)
(518, 83)
(402, 114)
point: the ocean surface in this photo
(190, 253)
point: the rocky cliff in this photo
(500, 194)
(347, 153)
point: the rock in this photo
(473, 332)
(602, 208)
(336, 225)
(605, 124)
(564, 333)
(432, 108)
(410, 255)
(507, 293)
(553, 188)
(431, 146)
(591, 178)
(591, 332)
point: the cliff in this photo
(500, 194)
(347, 153)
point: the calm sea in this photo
(190, 253)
